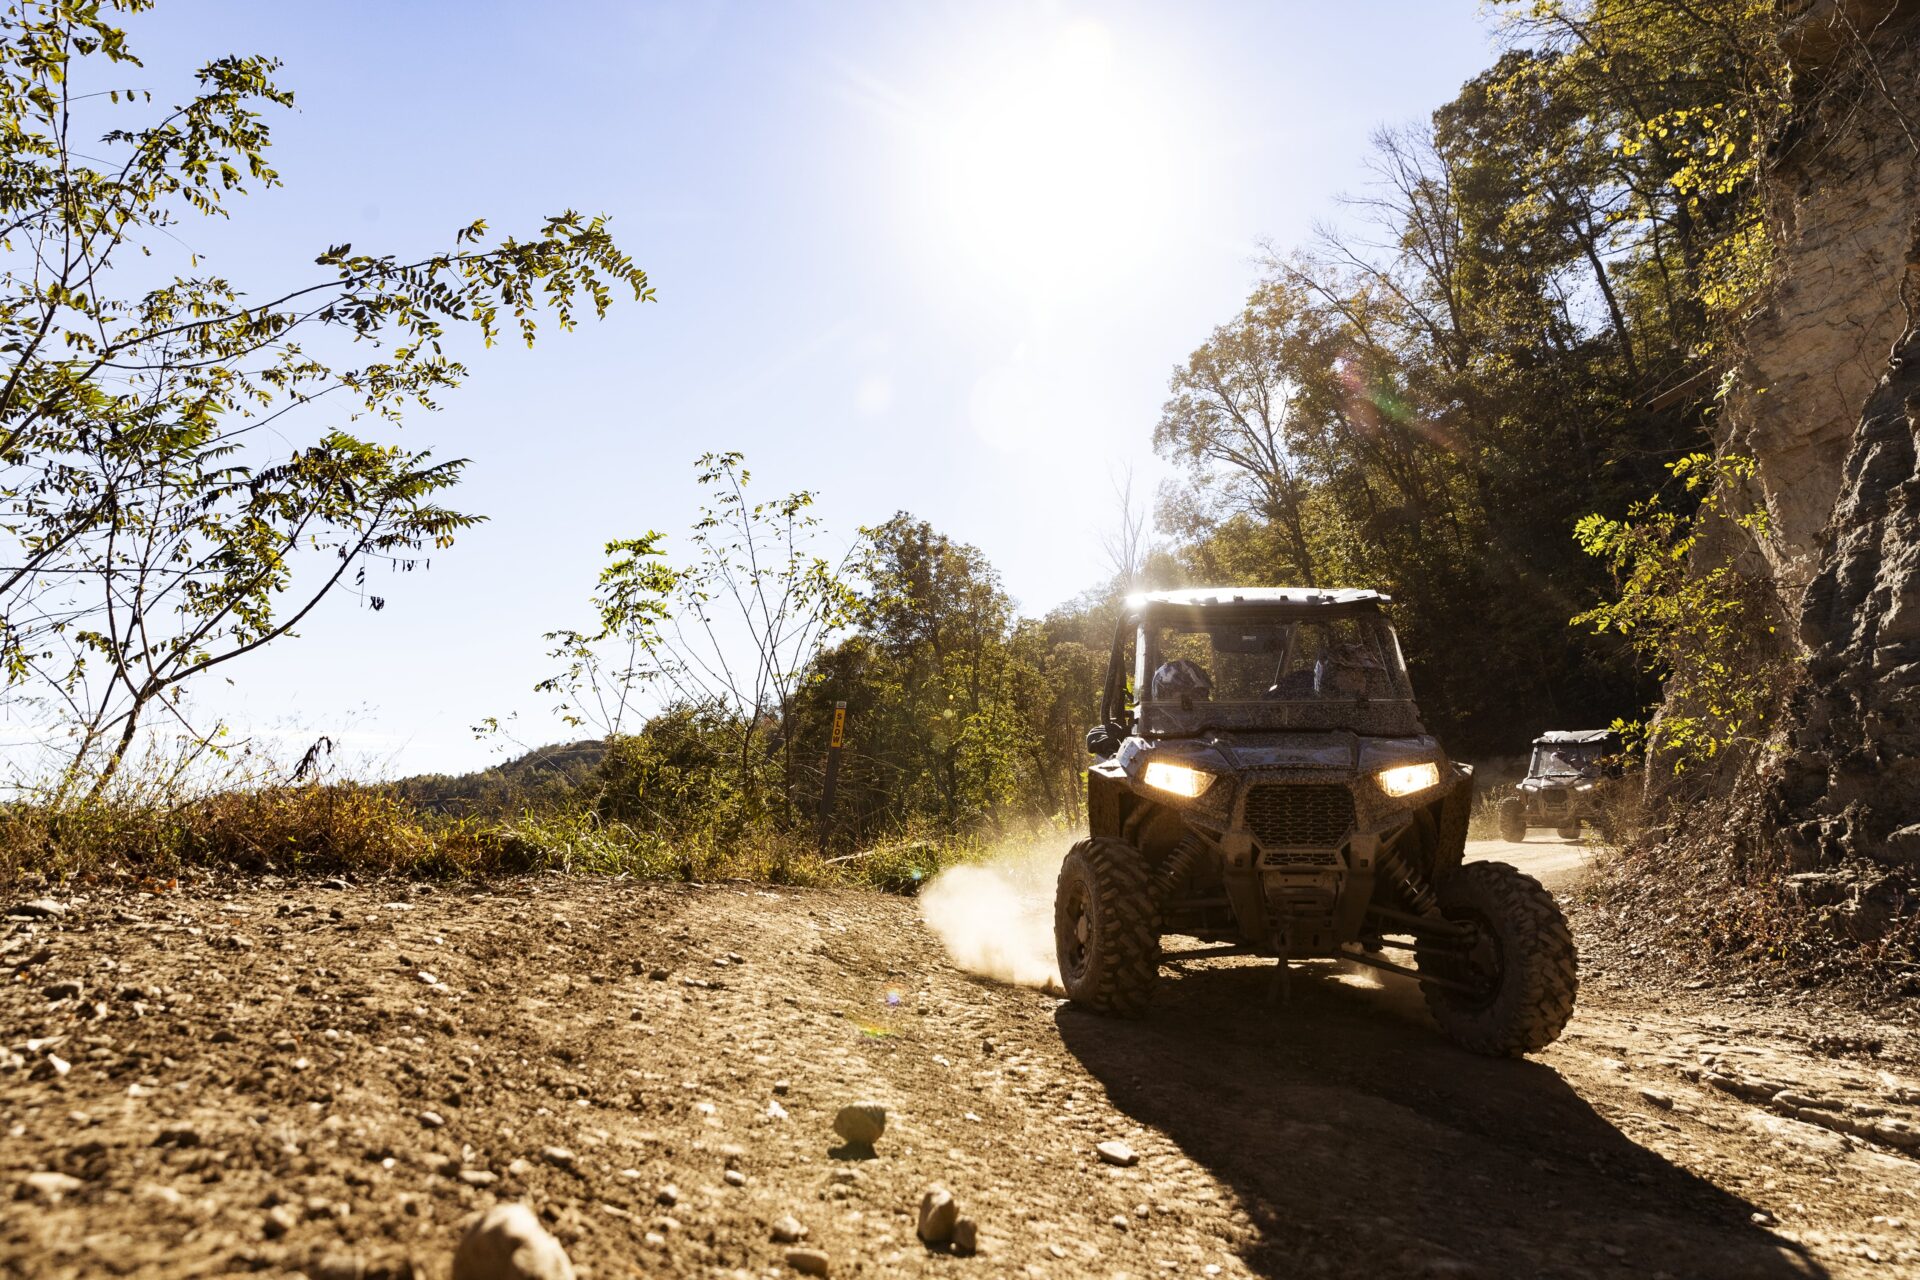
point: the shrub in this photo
(1706, 629)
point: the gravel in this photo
(50, 1186)
(189, 1143)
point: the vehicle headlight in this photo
(1404, 780)
(1178, 779)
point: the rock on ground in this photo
(938, 1213)
(507, 1242)
(860, 1124)
(809, 1262)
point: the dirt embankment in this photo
(294, 1078)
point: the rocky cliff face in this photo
(1830, 407)
(1852, 783)
(1844, 197)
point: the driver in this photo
(1180, 679)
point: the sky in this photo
(939, 258)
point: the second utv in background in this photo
(1566, 784)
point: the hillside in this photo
(549, 773)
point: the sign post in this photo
(833, 770)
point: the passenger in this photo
(1181, 681)
(1349, 671)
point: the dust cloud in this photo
(995, 917)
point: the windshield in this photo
(1336, 672)
(1565, 759)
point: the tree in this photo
(1231, 420)
(936, 620)
(1126, 542)
(607, 670)
(158, 515)
(726, 641)
(959, 713)
(1516, 329)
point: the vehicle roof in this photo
(1297, 597)
(1560, 736)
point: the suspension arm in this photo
(1421, 926)
(1425, 979)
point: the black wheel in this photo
(1511, 990)
(1569, 832)
(1106, 927)
(1513, 819)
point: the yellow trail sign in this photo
(833, 771)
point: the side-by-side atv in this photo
(1265, 788)
(1566, 784)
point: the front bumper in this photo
(1307, 816)
(1556, 805)
(1300, 848)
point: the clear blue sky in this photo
(932, 257)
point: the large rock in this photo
(938, 1213)
(508, 1243)
(860, 1124)
(1852, 785)
(1843, 197)
(1848, 787)
(1825, 398)
(810, 1262)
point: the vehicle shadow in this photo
(1352, 1134)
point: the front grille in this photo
(1316, 814)
(1302, 859)
(1554, 795)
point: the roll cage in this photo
(1267, 607)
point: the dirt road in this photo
(1554, 862)
(295, 1078)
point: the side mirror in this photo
(1102, 740)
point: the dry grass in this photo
(364, 831)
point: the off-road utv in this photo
(1265, 788)
(1565, 784)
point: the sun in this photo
(1047, 161)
